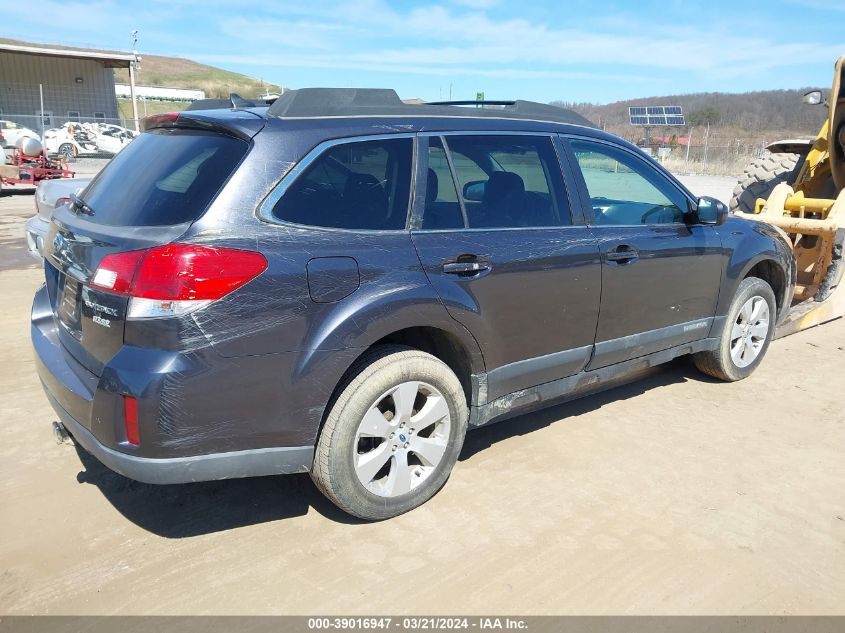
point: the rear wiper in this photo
(79, 204)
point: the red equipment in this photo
(30, 170)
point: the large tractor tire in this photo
(761, 176)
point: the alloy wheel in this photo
(749, 331)
(402, 439)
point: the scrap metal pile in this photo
(87, 139)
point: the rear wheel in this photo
(748, 331)
(393, 434)
(761, 177)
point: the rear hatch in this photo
(147, 196)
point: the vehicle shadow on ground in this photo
(186, 510)
(678, 371)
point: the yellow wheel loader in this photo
(800, 189)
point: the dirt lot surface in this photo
(720, 187)
(672, 494)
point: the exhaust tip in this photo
(60, 434)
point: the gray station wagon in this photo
(343, 284)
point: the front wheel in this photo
(749, 327)
(393, 434)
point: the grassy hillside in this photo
(176, 72)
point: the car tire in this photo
(761, 177)
(68, 152)
(402, 408)
(746, 335)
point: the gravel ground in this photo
(87, 166)
(719, 187)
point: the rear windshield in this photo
(163, 177)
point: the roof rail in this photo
(477, 102)
(517, 108)
(306, 103)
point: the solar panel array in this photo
(656, 115)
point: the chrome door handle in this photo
(622, 253)
(464, 268)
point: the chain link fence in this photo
(715, 160)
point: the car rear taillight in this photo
(176, 279)
(130, 420)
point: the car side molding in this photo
(581, 384)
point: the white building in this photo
(44, 87)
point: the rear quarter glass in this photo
(163, 177)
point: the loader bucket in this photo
(815, 227)
(810, 313)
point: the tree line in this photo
(752, 111)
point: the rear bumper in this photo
(180, 470)
(200, 443)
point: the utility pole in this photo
(132, 69)
(41, 98)
(689, 142)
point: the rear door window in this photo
(355, 185)
(163, 177)
(509, 181)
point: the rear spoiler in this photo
(241, 124)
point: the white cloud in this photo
(442, 39)
(476, 4)
(372, 34)
(373, 64)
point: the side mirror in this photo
(474, 190)
(814, 97)
(709, 211)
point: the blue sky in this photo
(575, 50)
